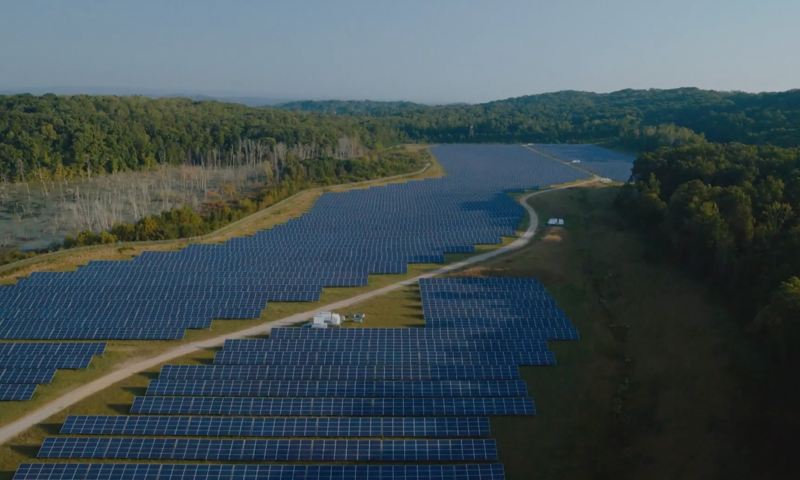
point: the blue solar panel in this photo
(158, 295)
(339, 388)
(57, 348)
(39, 376)
(344, 395)
(339, 372)
(132, 471)
(473, 450)
(386, 427)
(410, 344)
(354, 407)
(44, 362)
(604, 162)
(16, 391)
(384, 357)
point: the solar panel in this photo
(394, 344)
(473, 450)
(387, 427)
(133, 471)
(39, 376)
(16, 391)
(384, 357)
(339, 388)
(158, 295)
(339, 372)
(333, 406)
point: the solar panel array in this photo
(24, 365)
(601, 161)
(345, 237)
(397, 398)
(517, 308)
(409, 402)
(131, 471)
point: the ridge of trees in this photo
(616, 118)
(58, 136)
(62, 136)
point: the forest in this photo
(48, 136)
(731, 214)
(625, 118)
(66, 136)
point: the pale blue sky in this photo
(432, 51)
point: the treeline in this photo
(187, 222)
(620, 118)
(61, 136)
(49, 136)
(730, 213)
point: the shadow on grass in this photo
(28, 451)
(138, 391)
(148, 375)
(121, 408)
(50, 428)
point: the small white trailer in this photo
(326, 319)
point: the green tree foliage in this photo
(730, 212)
(780, 319)
(637, 119)
(89, 135)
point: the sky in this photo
(433, 51)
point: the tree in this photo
(781, 319)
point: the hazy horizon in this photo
(239, 97)
(429, 52)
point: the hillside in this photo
(573, 116)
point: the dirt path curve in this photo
(128, 369)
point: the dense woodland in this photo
(62, 136)
(625, 118)
(88, 135)
(730, 213)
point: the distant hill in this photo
(93, 134)
(573, 116)
(355, 107)
(249, 100)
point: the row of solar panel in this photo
(132, 471)
(338, 372)
(388, 343)
(471, 450)
(338, 388)
(223, 414)
(305, 407)
(387, 427)
(384, 357)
